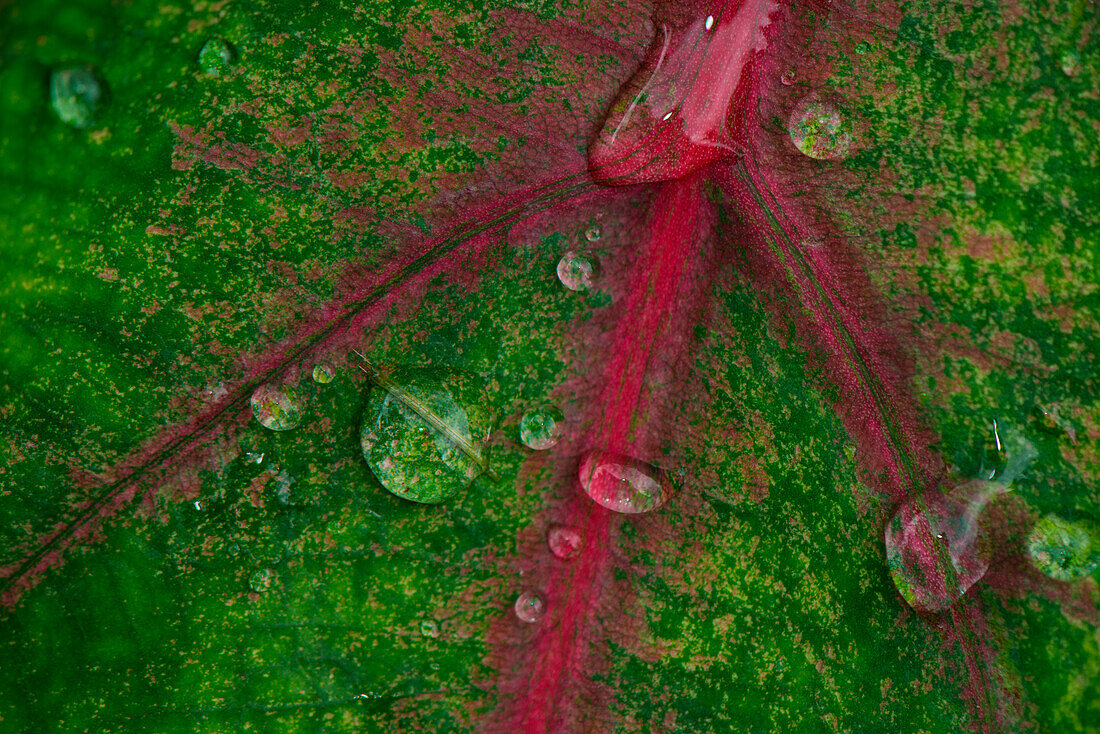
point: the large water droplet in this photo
(934, 548)
(819, 130)
(530, 607)
(564, 541)
(424, 437)
(74, 94)
(276, 407)
(429, 628)
(541, 428)
(577, 271)
(323, 374)
(216, 57)
(622, 483)
(262, 580)
(1062, 550)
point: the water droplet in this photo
(424, 437)
(577, 271)
(233, 549)
(787, 78)
(564, 541)
(593, 233)
(74, 94)
(1071, 63)
(1007, 454)
(1062, 550)
(429, 628)
(819, 130)
(254, 458)
(324, 373)
(199, 506)
(281, 486)
(262, 580)
(276, 407)
(812, 243)
(541, 428)
(622, 483)
(934, 549)
(216, 57)
(709, 22)
(529, 607)
(863, 48)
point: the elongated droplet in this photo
(1062, 550)
(429, 628)
(262, 580)
(541, 428)
(424, 437)
(74, 94)
(216, 57)
(934, 548)
(323, 374)
(276, 407)
(819, 130)
(530, 607)
(577, 271)
(622, 483)
(565, 542)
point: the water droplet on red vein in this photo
(530, 607)
(680, 112)
(934, 545)
(564, 541)
(622, 483)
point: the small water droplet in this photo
(863, 48)
(529, 607)
(709, 22)
(577, 271)
(254, 458)
(564, 541)
(216, 57)
(818, 130)
(593, 233)
(1062, 550)
(199, 506)
(262, 580)
(812, 243)
(622, 483)
(429, 628)
(424, 437)
(276, 408)
(541, 428)
(433, 666)
(787, 78)
(324, 373)
(74, 94)
(1071, 63)
(281, 486)
(934, 549)
(233, 549)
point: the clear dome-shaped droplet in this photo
(541, 428)
(593, 233)
(323, 373)
(622, 483)
(577, 271)
(74, 95)
(934, 547)
(819, 130)
(565, 542)
(262, 580)
(787, 78)
(424, 437)
(276, 407)
(530, 607)
(429, 628)
(1062, 550)
(217, 57)
(254, 458)
(1071, 63)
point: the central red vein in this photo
(575, 589)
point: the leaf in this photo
(804, 335)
